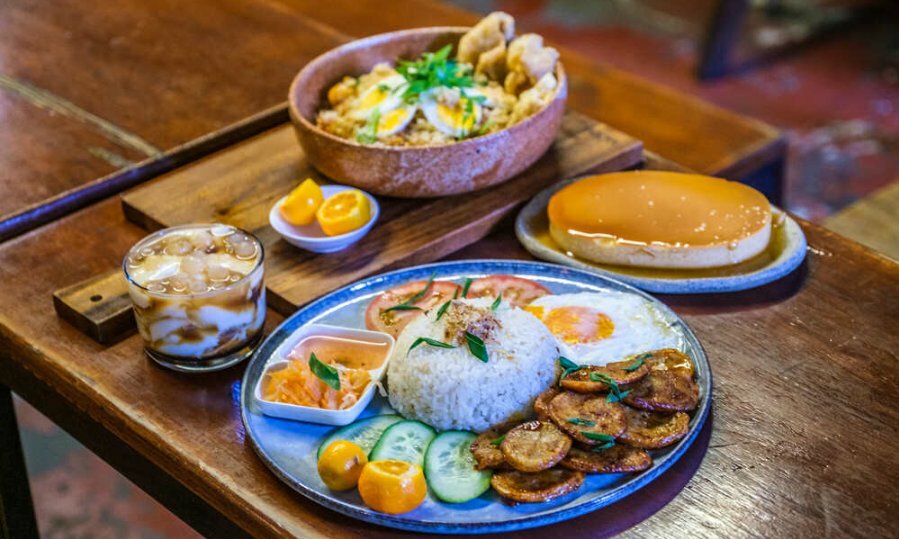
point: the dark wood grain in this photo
(805, 397)
(99, 306)
(164, 73)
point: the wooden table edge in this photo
(70, 201)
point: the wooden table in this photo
(87, 88)
(805, 403)
(802, 439)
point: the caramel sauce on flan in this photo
(660, 208)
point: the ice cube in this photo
(192, 264)
(178, 247)
(217, 273)
(245, 249)
(197, 286)
(221, 231)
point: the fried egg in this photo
(457, 117)
(596, 328)
(382, 97)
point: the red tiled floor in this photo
(77, 495)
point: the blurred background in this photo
(825, 72)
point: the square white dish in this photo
(278, 360)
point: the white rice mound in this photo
(452, 389)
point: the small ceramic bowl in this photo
(413, 171)
(311, 414)
(311, 237)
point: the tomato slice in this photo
(516, 291)
(379, 317)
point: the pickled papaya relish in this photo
(316, 383)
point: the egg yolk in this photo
(392, 119)
(457, 117)
(579, 325)
(373, 98)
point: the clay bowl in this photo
(413, 172)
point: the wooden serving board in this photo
(239, 185)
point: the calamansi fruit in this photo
(344, 212)
(392, 486)
(341, 464)
(300, 206)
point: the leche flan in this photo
(660, 219)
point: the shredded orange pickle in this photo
(296, 384)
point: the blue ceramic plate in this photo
(289, 447)
(784, 254)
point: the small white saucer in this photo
(785, 253)
(311, 237)
(312, 414)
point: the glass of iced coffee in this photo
(198, 296)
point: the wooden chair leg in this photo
(16, 508)
(722, 34)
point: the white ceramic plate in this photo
(784, 254)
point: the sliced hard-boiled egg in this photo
(455, 119)
(382, 97)
(394, 121)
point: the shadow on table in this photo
(754, 298)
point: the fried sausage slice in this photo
(535, 446)
(668, 359)
(580, 415)
(671, 390)
(616, 459)
(536, 487)
(582, 382)
(541, 405)
(485, 448)
(653, 430)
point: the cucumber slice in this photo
(450, 468)
(364, 433)
(406, 441)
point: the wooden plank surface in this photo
(802, 436)
(239, 185)
(163, 73)
(872, 221)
